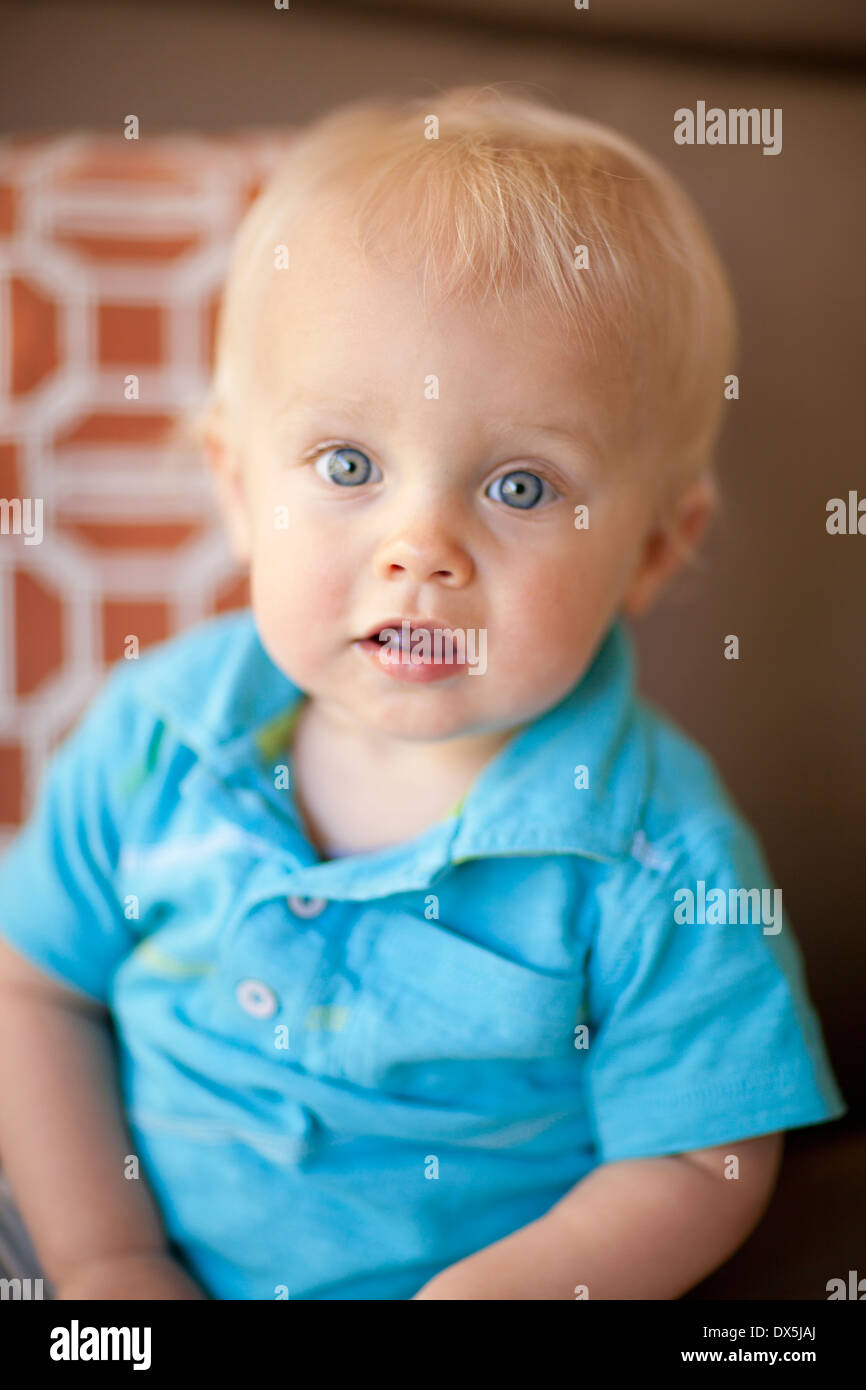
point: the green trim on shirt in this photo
(274, 736)
(137, 776)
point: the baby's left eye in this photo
(345, 466)
(520, 489)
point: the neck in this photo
(405, 758)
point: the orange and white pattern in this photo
(112, 256)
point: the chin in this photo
(418, 724)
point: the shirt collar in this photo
(227, 701)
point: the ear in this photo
(226, 466)
(669, 545)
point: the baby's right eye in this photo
(345, 466)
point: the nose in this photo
(424, 549)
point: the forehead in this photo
(338, 327)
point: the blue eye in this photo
(345, 466)
(519, 490)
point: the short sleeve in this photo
(58, 905)
(701, 1031)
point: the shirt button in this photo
(308, 907)
(256, 999)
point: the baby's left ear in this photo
(669, 544)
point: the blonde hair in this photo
(499, 203)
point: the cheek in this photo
(299, 590)
(553, 594)
(298, 565)
(551, 612)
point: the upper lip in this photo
(398, 622)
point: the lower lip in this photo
(419, 672)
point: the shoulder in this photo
(167, 665)
(144, 705)
(201, 684)
(687, 830)
(690, 840)
(689, 808)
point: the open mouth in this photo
(393, 639)
(423, 643)
(380, 639)
(404, 628)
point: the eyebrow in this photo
(584, 440)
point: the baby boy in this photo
(403, 998)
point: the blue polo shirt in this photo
(342, 1076)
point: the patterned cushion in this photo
(112, 254)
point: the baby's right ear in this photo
(226, 465)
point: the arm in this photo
(63, 1143)
(639, 1228)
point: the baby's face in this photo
(399, 465)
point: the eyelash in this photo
(539, 472)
